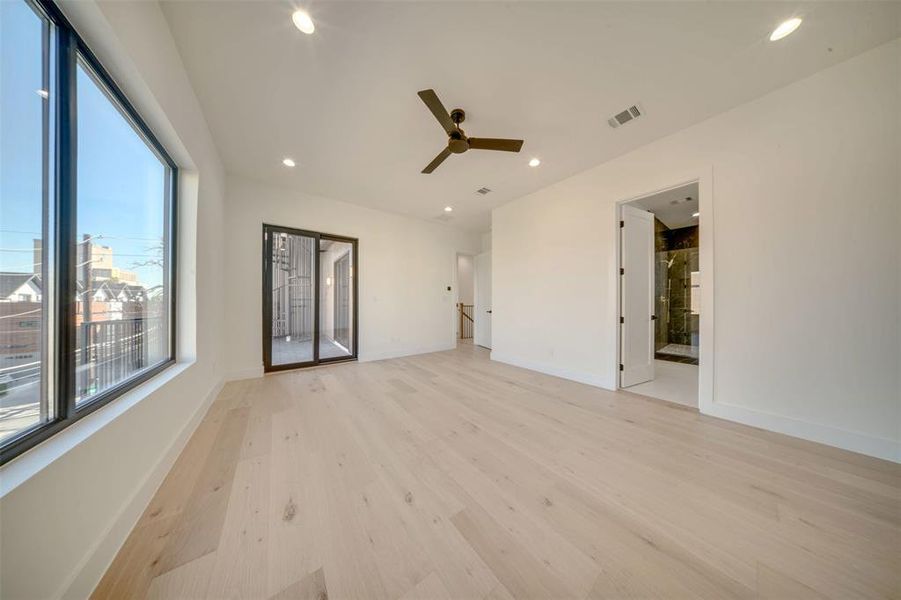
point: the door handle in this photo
(653, 317)
(488, 311)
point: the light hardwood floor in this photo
(447, 475)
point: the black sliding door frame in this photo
(341, 302)
(269, 232)
(353, 283)
(268, 235)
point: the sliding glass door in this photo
(336, 298)
(309, 298)
(292, 273)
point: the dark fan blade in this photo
(438, 160)
(495, 144)
(431, 100)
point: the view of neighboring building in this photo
(20, 321)
(100, 260)
(116, 295)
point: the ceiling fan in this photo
(458, 142)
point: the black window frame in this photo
(68, 50)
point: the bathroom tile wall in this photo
(676, 258)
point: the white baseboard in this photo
(98, 560)
(585, 377)
(385, 355)
(883, 448)
(257, 371)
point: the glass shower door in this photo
(677, 286)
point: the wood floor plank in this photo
(557, 553)
(429, 494)
(297, 510)
(447, 475)
(621, 546)
(311, 587)
(517, 569)
(134, 568)
(138, 562)
(190, 581)
(241, 554)
(350, 561)
(429, 588)
(199, 525)
(775, 585)
(499, 593)
(657, 469)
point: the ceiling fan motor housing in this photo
(458, 144)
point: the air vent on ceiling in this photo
(482, 191)
(631, 113)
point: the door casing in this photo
(343, 284)
(656, 183)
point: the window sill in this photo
(27, 465)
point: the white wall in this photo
(68, 504)
(465, 280)
(806, 211)
(406, 266)
(486, 241)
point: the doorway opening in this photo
(660, 295)
(309, 298)
(465, 298)
(482, 311)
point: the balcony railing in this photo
(108, 352)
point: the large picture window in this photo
(87, 223)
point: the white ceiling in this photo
(674, 207)
(342, 102)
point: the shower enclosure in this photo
(677, 300)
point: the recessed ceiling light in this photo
(288, 162)
(303, 21)
(534, 162)
(448, 209)
(697, 214)
(785, 28)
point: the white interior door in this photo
(481, 332)
(637, 301)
